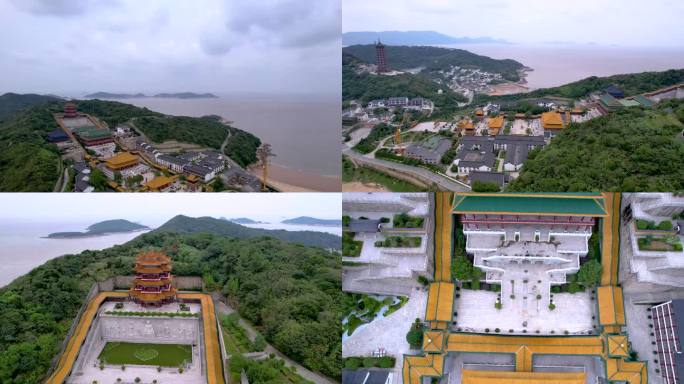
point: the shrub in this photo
(137, 380)
(552, 306)
(665, 225)
(566, 332)
(259, 343)
(476, 284)
(386, 362)
(498, 305)
(368, 362)
(353, 363)
(538, 297)
(487, 330)
(497, 330)
(423, 280)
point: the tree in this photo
(415, 334)
(259, 343)
(482, 186)
(217, 185)
(590, 273)
(463, 268)
(98, 180)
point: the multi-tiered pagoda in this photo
(152, 285)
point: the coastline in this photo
(291, 180)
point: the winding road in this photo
(425, 175)
(317, 378)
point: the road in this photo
(317, 378)
(423, 174)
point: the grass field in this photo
(159, 355)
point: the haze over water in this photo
(561, 64)
(303, 130)
(23, 246)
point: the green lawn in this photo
(164, 355)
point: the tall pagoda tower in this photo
(152, 285)
(70, 110)
(380, 57)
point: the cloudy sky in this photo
(605, 22)
(154, 209)
(220, 46)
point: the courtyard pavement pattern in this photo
(573, 313)
(213, 355)
(416, 367)
(388, 332)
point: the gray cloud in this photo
(284, 23)
(61, 7)
(73, 47)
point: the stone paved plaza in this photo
(388, 332)
(476, 312)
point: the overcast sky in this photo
(605, 22)
(220, 46)
(153, 209)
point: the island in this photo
(177, 95)
(243, 220)
(307, 220)
(102, 228)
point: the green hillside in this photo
(631, 83)
(185, 224)
(629, 150)
(11, 103)
(435, 59)
(27, 162)
(290, 292)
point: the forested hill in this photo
(291, 293)
(630, 150)
(435, 59)
(28, 163)
(366, 87)
(185, 224)
(11, 103)
(631, 83)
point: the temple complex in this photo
(153, 281)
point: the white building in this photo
(651, 225)
(387, 270)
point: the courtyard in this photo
(525, 313)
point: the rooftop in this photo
(121, 159)
(551, 120)
(159, 182)
(544, 204)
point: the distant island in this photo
(185, 224)
(243, 220)
(413, 38)
(179, 95)
(101, 229)
(307, 220)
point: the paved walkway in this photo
(317, 378)
(443, 234)
(388, 332)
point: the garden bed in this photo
(399, 242)
(403, 220)
(662, 244)
(351, 247)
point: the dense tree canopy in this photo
(292, 293)
(630, 150)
